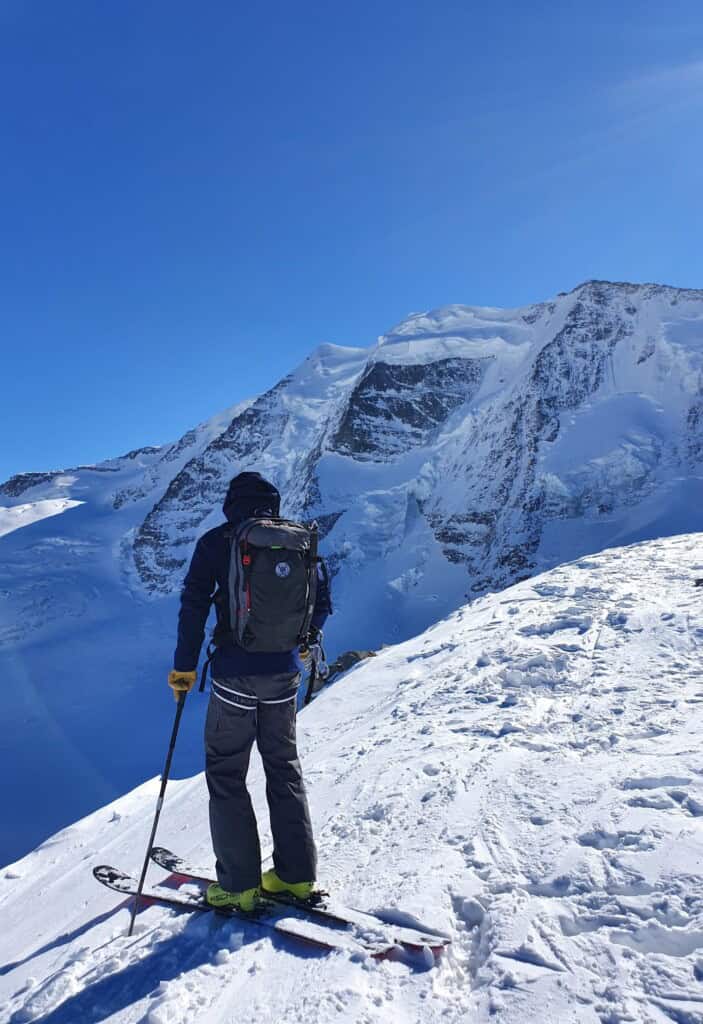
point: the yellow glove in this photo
(181, 682)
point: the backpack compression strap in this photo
(312, 595)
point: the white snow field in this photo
(526, 776)
(17, 516)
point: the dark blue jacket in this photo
(207, 579)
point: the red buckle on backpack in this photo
(246, 559)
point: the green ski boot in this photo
(219, 898)
(271, 883)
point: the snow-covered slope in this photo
(525, 775)
(469, 448)
(16, 517)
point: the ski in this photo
(322, 907)
(269, 918)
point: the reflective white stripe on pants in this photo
(245, 707)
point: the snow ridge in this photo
(525, 776)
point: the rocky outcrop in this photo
(497, 536)
(398, 407)
(22, 482)
(164, 541)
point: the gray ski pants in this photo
(243, 709)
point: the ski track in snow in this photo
(526, 776)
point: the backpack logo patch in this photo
(282, 570)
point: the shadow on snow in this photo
(103, 994)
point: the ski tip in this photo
(112, 877)
(105, 871)
(166, 859)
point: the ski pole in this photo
(159, 805)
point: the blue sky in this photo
(194, 196)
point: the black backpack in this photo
(272, 583)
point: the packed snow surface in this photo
(525, 775)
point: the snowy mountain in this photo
(469, 448)
(525, 776)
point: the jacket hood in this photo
(248, 495)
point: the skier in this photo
(253, 696)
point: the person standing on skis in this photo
(270, 599)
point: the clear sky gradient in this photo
(196, 195)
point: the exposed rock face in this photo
(17, 485)
(694, 423)
(396, 407)
(166, 537)
(497, 536)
